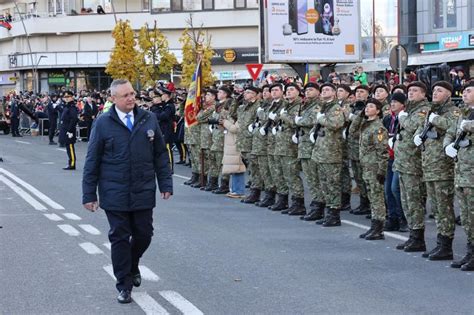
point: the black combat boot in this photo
(364, 207)
(403, 225)
(438, 245)
(212, 184)
(253, 197)
(401, 246)
(198, 183)
(334, 218)
(317, 213)
(346, 201)
(458, 220)
(418, 243)
(363, 235)
(377, 231)
(469, 265)
(465, 259)
(299, 209)
(223, 188)
(268, 200)
(445, 251)
(193, 179)
(280, 204)
(391, 224)
(291, 207)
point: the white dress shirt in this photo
(123, 118)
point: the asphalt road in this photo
(210, 254)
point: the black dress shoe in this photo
(52, 143)
(69, 168)
(124, 297)
(137, 279)
(180, 162)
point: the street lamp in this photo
(35, 74)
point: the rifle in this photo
(357, 106)
(269, 121)
(298, 132)
(461, 136)
(428, 126)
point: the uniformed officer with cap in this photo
(67, 133)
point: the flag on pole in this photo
(306, 74)
(4, 23)
(193, 101)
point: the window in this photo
(224, 4)
(444, 14)
(192, 5)
(158, 6)
(252, 3)
(208, 4)
(176, 5)
(145, 5)
(240, 4)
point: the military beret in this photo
(312, 85)
(252, 88)
(363, 87)
(279, 85)
(266, 86)
(345, 87)
(444, 84)
(212, 91)
(419, 84)
(332, 86)
(375, 102)
(292, 84)
(468, 84)
(68, 93)
(399, 97)
(226, 90)
(382, 86)
(401, 87)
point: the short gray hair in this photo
(115, 83)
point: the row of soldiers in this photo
(281, 135)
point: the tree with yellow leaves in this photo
(196, 44)
(154, 57)
(122, 63)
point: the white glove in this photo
(282, 111)
(319, 115)
(272, 116)
(297, 119)
(294, 138)
(69, 135)
(351, 116)
(417, 140)
(260, 109)
(274, 131)
(262, 131)
(402, 114)
(431, 117)
(391, 143)
(211, 129)
(464, 122)
(55, 105)
(311, 137)
(250, 128)
(451, 151)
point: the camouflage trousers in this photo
(276, 172)
(291, 171)
(310, 172)
(254, 174)
(264, 170)
(195, 151)
(376, 195)
(346, 178)
(441, 195)
(330, 183)
(465, 196)
(205, 160)
(357, 170)
(215, 164)
(412, 200)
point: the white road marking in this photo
(64, 150)
(23, 142)
(186, 307)
(107, 245)
(148, 304)
(53, 216)
(23, 194)
(72, 216)
(91, 248)
(89, 229)
(110, 270)
(147, 274)
(182, 177)
(47, 163)
(68, 229)
(365, 227)
(33, 190)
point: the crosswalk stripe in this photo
(89, 229)
(148, 304)
(23, 194)
(107, 245)
(147, 274)
(178, 301)
(72, 216)
(91, 248)
(53, 216)
(68, 229)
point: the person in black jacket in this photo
(89, 112)
(125, 157)
(165, 113)
(53, 114)
(67, 133)
(14, 115)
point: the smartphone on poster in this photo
(302, 24)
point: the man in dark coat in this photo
(53, 114)
(67, 133)
(14, 115)
(126, 155)
(89, 112)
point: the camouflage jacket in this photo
(217, 132)
(245, 116)
(305, 124)
(328, 146)
(407, 155)
(373, 146)
(203, 118)
(464, 167)
(436, 164)
(192, 134)
(259, 142)
(275, 107)
(286, 127)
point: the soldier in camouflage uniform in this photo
(288, 150)
(381, 93)
(305, 122)
(343, 93)
(246, 116)
(438, 169)
(270, 129)
(374, 160)
(408, 164)
(328, 153)
(362, 93)
(259, 149)
(192, 137)
(458, 144)
(209, 106)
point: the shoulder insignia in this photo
(422, 113)
(456, 113)
(381, 135)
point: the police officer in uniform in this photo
(53, 114)
(165, 112)
(67, 133)
(14, 115)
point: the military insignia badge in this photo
(380, 135)
(422, 113)
(456, 113)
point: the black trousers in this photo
(71, 154)
(53, 124)
(130, 235)
(183, 150)
(15, 124)
(170, 155)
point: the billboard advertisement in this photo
(315, 31)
